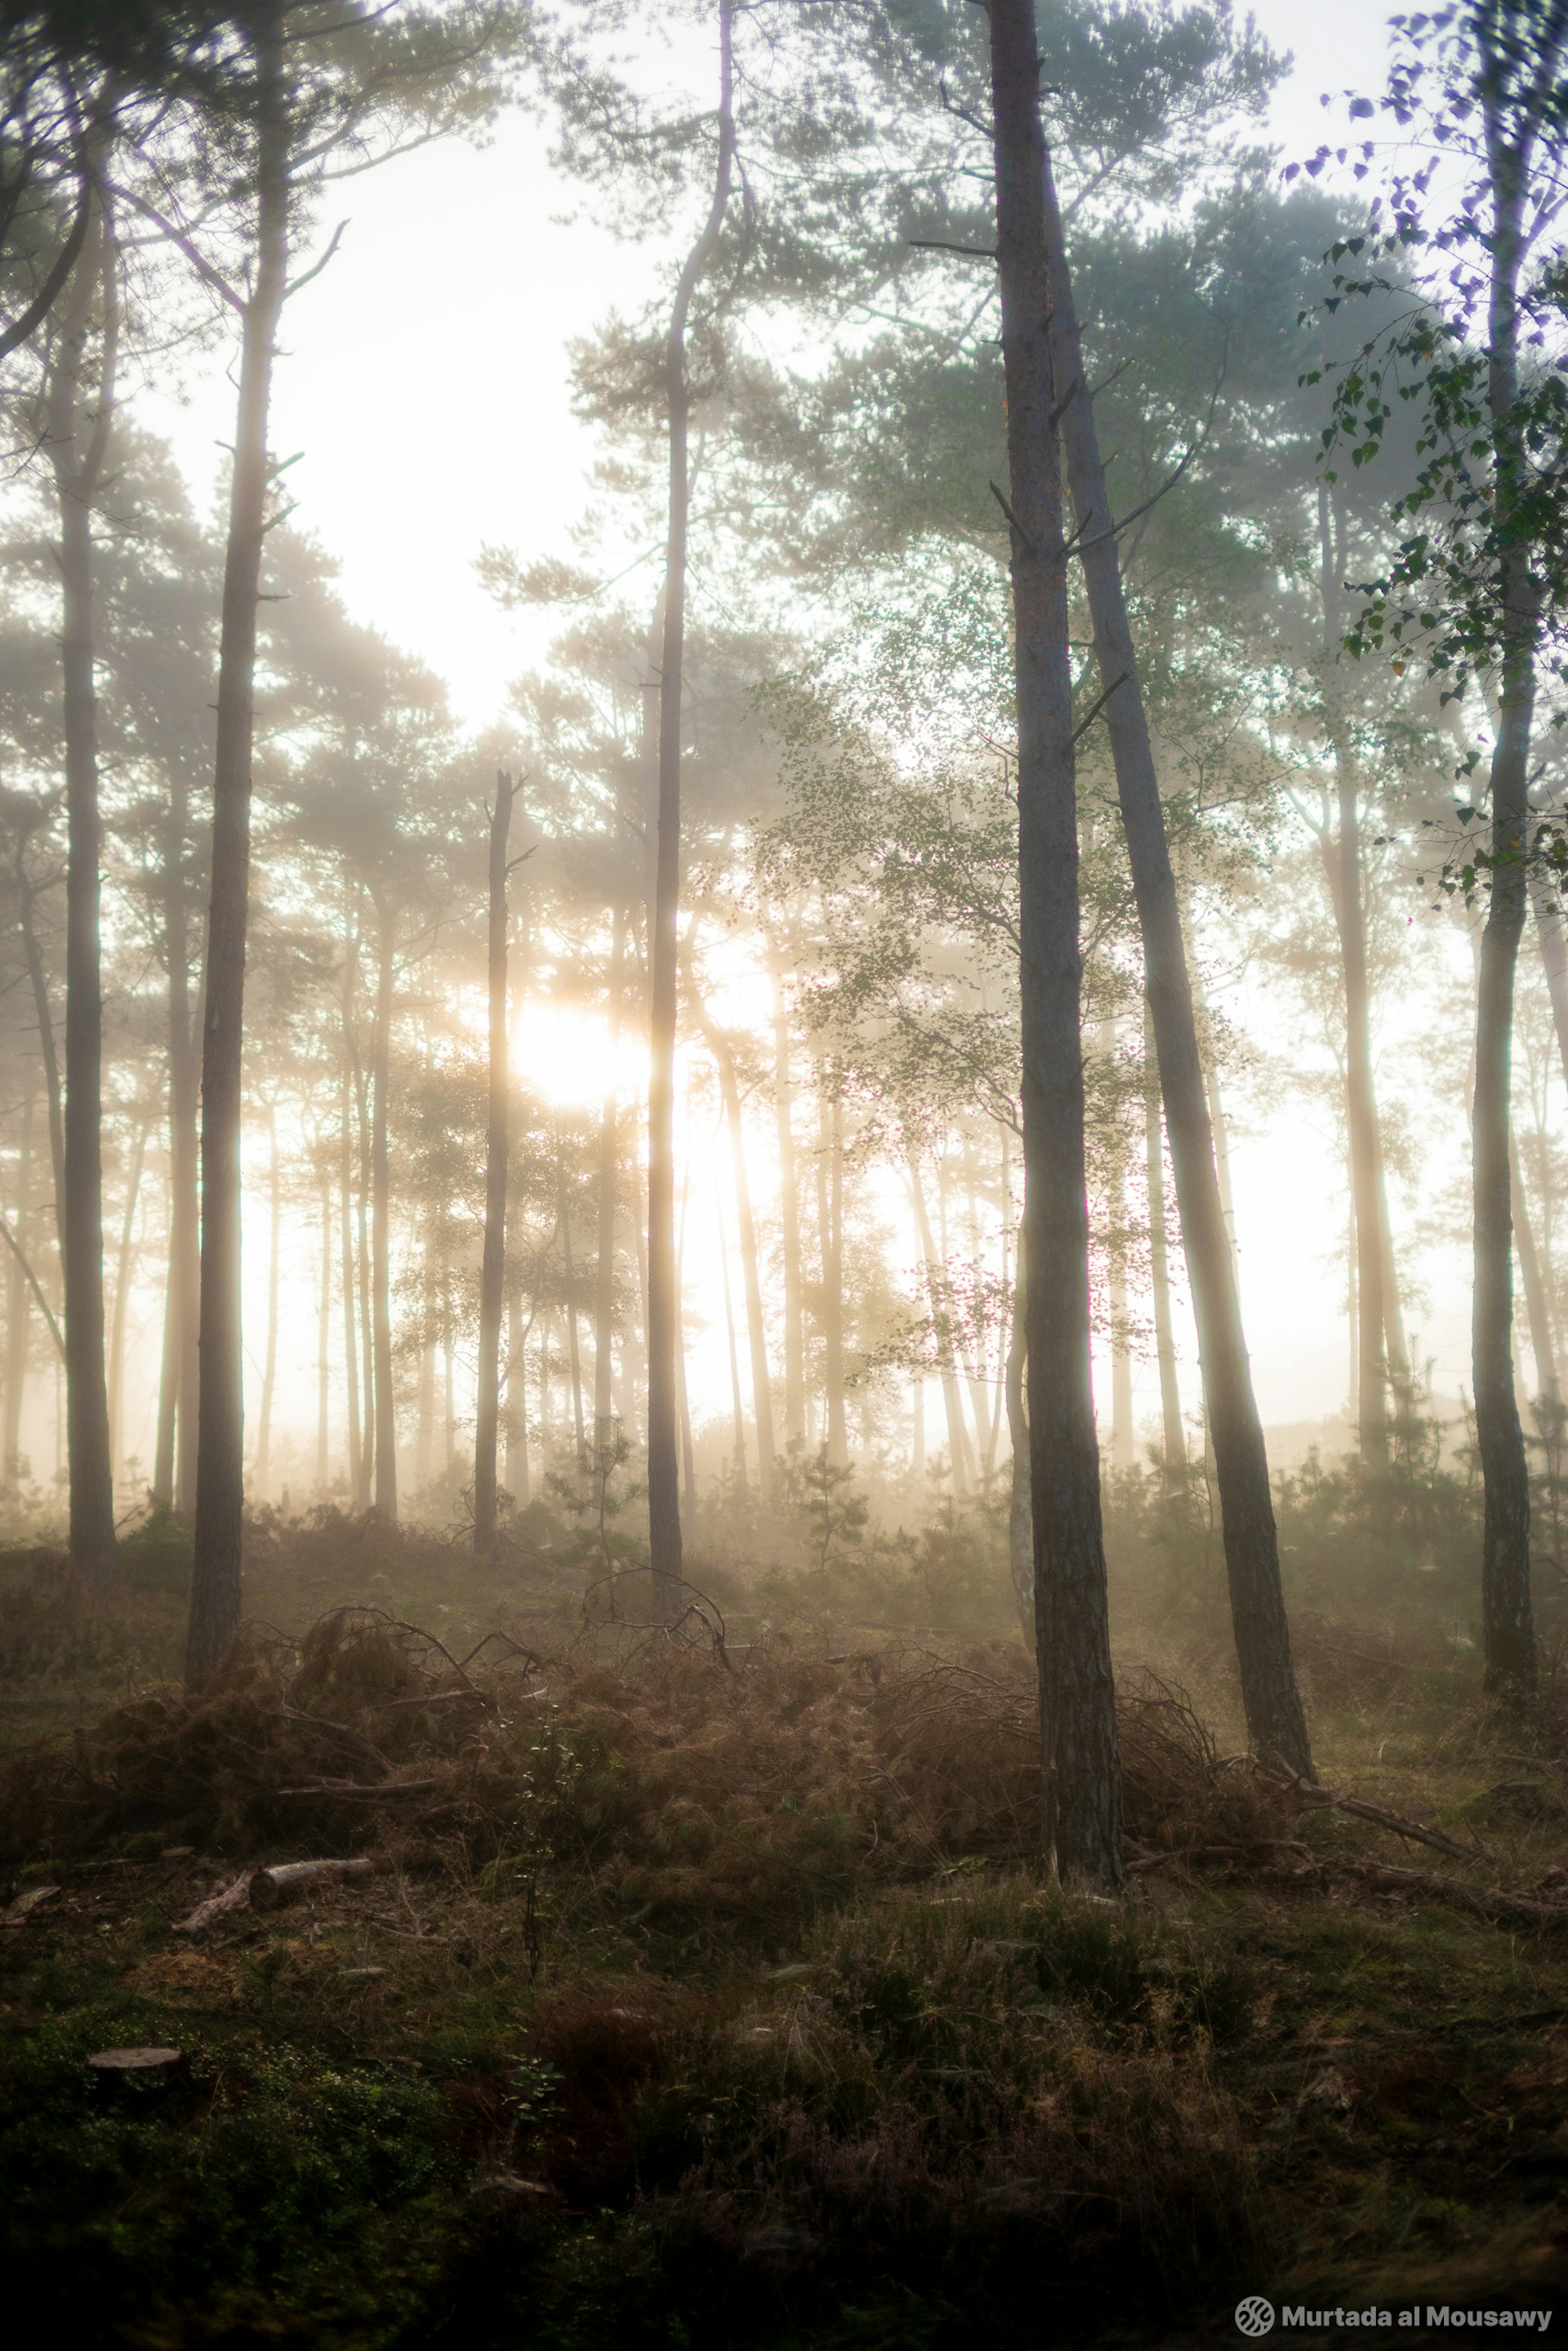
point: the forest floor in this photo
(700, 1998)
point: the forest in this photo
(783, 1173)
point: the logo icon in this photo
(1254, 2317)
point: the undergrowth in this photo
(703, 1996)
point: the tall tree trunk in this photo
(1507, 1617)
(220, 1467)
(688, 1449)
(976, 1355)
(751, 1271)
(380, 1225)
(1077, 1714)
(78, 438)
(122, 1299)
(493, 1269)
(517, 1477)
(162, 1489)
(174, 1477)
(738, 1412)
(1535, 1305)
(269, 1368)
(1020, 1512)
(789, 1214)
(1343, 862)
(27, 896)
(424, 1406)
(346, 1245)
(609, 1172)
(573, 1354)
(17, 1296)
(1122, 1444)
(1272, 1701)
(937, 1292)
(448, 1354)
(663, 1303)
(365, 1280)
(1173, 1433)
(833, 1275)
(324, 1344)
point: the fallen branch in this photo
(218, 1905)
(1306, 1792)
(1147, 1861)
(1488, 1902)
(360, 1788)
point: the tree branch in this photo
(14, 1245)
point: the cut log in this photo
(25, 1903)
(136, 2064)
(270, 1886)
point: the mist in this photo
(783, 1170)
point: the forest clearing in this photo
(783, 1107)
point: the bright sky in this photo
(425, 381)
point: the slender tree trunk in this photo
(688, 1449)
(1535, 1305)
(424, 1410)
(1274, 1717)
(365, 1281)
(1396, 1346)
(324, 1345)
(917, 1431)
(19, 1302)
(751, 1271)
(936, 1291)
(346, 1244)
(77, 439)
(381, 1221)
(663, 1304)
(833, 1275)
(609, 1172)
(448, 1352)
(1020, 1513)
(163, 1485)
(517, 1477)
(174, 1478)
(976, 1354)
(26, 894)
(573, 1355)
(1507, 1622)
(220, 1467)
(1343, 862)
(1078, 1715)
(790, 1215)
(737, 1415)
(122, 1299)
(544, 1389)
(493, 1269)
(1172, 1431)
(269, 1369)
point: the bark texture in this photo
(77, 425)
(1507, 1617)
(1275, 1721)
(1080, 1757)
(220, 1465)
